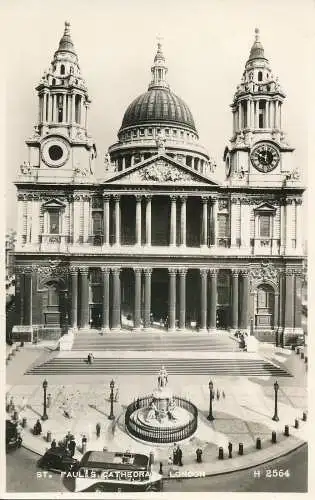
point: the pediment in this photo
(265, 207)
(53, 204)
(162, 170)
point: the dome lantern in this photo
(159, 70)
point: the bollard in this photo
(273, 437)
(161, 468)
(305, 359)
(286, 430)
(221, 453)
(48, 437)
(296, 423)
(297, 351)
(240, 449)
(151, 458)
(258, 444)
(304, 417)
(302, 355)
(24, 422)
(230, 447)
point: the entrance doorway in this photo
(52, 302)
(264, 307)
(96, 315)
(159, 295)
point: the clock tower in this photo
(60, 146)
(259, 154)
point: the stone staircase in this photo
(61, 365)
(93, 340)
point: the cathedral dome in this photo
(158, 104)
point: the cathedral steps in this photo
(94, 341)
(150, 366)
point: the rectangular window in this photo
(150, 131)
(223, 226)
(97, 219)
(264, 226)
(134, 133)
(54, 222)
(141, 131)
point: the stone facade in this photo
(158, 241)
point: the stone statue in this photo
(162, 378)
(160, 142)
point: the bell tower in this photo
(61, 145)
(259, 154)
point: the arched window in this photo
(260, 76)
(62, 69)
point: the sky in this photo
(205, 42)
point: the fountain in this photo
(161, 417)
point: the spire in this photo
(66, 43)
(159, 69)
(257, 50)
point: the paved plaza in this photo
(241, 416)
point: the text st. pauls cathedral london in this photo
(157, 244)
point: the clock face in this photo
(265, 157)
(55, 152)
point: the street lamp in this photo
(45, 416)
(111, 385)
(276, 388)
(210, 416)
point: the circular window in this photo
(55, 152)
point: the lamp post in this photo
(111, 385)
(276, 388)
(210, 416)
(45, 416)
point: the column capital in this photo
(235, 272)
(203, 272)
(173, 197)
(106, 196)
(147, 271)
(183, 198)
(138, 197)
(25, 269)
(213, 272)
(116, 270)
(105, 269)
(204, 198)
(117, 197)
(73, 270)
(172, 271)
(148, 197)
(244, 273)
(137, 270)
(84, 271)
(182, 271)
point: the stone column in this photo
(213, 299)
(106, 218)
(299, 225)
(74, 297)
(256, 113)
(148, 199)
(117, 219)
(172, 299)
(182, 298)
(147, 297)
(297, 301)
(105, 282)
(123, 163)
(183, 220)
(28, 296)
(138, 219)
(204, 241)
(137, 310)
(248, 114)
(84, 298)
(173, 221)
(116, 299)
(267, 115)
(203, 300)
(289, 302)
(239, 116)
(244, 302)
(214, 218)
(235, 299)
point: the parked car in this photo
(57, 459)
(13, 438)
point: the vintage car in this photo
(13, 438)
(57, 459)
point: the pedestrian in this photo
(72, 446)
(53, 444)
(179, 456)
(199, 455)
(37, 428)
(170, 460)
(230, 446)
(175, 456)
(89, 359)
(98, 430)
(223, 394)
(218, 394)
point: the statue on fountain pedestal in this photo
(162, 378)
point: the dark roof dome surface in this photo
(158, 104)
